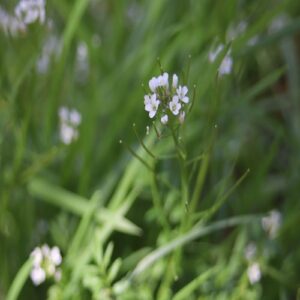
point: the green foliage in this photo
(164, 215)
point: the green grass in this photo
(172, 226)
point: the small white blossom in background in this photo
(30, 11)
(254, 273)
(278, 23)
(250, 251)
(51, 49)
(69, 122)
(235, 31)
(26, 12)
(167, 100)
(82, 62)
(10, 24)
(45, 264)
(227, 62)
(272, 223)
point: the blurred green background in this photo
(94, 56)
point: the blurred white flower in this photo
(153, 84)
(174, 105)
(164, 119)
(272, 223)
(37, 275)
(226, 65)
(10, 24)
(70, 119)
(254, 273)
(82, 62)
(68, 134)
(45, 261)
(45, 250)
(29, 11)
(182, 94)
(278, 23)
(51, 49)
(227, 62)
(55, 256)
(235, 31)
(250, 251)
(213, 54)
(151, 105)
(175, 81)
(37, 256)
(163, 80)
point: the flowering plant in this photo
(168, 102)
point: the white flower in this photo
(69, 121)
(63, 114)
(272, 223)
(10, 24)
(164, 119)
(30, 11)
(75, 117)
(45, 261)
(153, 84)
(51, 49)
(82, 62)
(46, 250)
(254, 273)
(147, 99)
(37, 256)
(181, 117)
(163, 80)
(213, 54)
(181, 92)
(174, 105)
(152, 105)
(55, 256)
(37, 275)
(175, 81)
(226, 65)
(235, 32)
(250, 251)
(68, 134)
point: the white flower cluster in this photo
(45, 263)
(26, 12)
(167, 101)
(272, 223)
(10, 24)
(254, 273)
(69, 122)
(227, 62)
(30, 11)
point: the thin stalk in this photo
(142, 143)
(137, 156)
